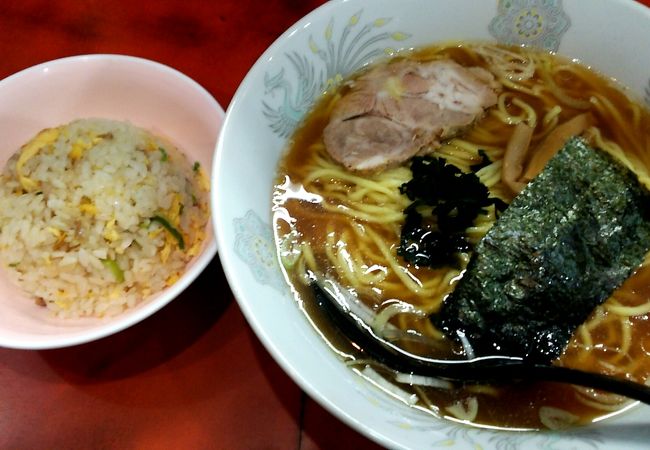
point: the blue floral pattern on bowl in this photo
(536, 23)
(254, 244)
(328, 60)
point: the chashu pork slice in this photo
(395, 111)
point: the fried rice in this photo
(97, 215)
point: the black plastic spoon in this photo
(479, 370)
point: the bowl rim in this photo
(104, 327)
(225, 257)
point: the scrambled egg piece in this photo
(174, 213)
(86, 206)
(172, 279)
(166, 250)
(58, 234)
(173, 216)
(80, 146)
(152, 146)
(110, 233)
(195, 249)
(28, 151)
(202, 179)
(62, 300)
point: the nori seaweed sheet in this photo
(564, 244)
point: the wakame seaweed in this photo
(572, 236)
(445, 202)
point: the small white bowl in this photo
(342, 35)
(147, 94)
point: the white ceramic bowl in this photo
(610, 35)
(148, 94)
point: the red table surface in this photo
(193, 375)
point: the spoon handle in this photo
(495, 369)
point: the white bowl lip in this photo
(227, 257)
(116, 57)
(115, 324)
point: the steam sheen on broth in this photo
(347, 226)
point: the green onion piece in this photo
(163, 152)
(196, 166)
(111, 265)
(15, 264)
(290, 249)
(173, 231)
(195, 201)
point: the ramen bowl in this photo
(312, 56)
(144, 93)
